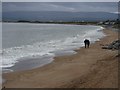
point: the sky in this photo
(61, 6)
(60, 0)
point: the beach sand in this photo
(90, 68)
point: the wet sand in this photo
(89, 68)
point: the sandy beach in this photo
(92, 67)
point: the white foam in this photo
(10, 56)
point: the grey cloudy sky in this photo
(61, 6)
(60, 0)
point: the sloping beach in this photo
(93, 67)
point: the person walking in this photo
(87, 43)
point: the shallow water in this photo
(39, 43)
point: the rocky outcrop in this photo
(114, 45)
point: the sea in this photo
(29, 45)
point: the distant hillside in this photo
(59, 16)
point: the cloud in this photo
(116, 12)
(61, 6)
(8, 6)
(60, 0)
(0, 12)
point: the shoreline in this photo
(58, 23)
(28, 63)
(61, 67)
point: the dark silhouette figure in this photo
(87, 43)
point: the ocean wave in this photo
(10, 56)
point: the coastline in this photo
(30, 60)
(67, 71)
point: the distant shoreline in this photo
(116, 25)
(38, 22)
